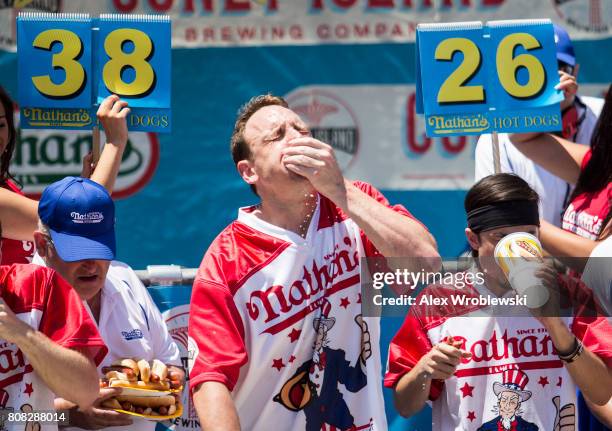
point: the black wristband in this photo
(573, 354)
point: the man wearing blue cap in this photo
(579, 119)
(76, 237)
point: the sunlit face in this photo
(268, 132)
(85, 276)
(4, 130)
(484, 243)
(509, 403)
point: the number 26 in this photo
(72, 47)
(454, 90)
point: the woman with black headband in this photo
(587, 219)
(483, 367)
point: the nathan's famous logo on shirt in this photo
(90, 217)
(12, 365)
(527, 343)
(283, 305)
(134, 334)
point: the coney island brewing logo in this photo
(330, 120)
(42, 157)
(592, 16)
(177, 320)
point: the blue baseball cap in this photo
(565, 49)
(80, 215)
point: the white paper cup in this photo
(523, 280)
(519, 255)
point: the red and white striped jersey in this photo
(513, 357)
(277, 318)
(42, 299)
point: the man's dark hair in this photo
(498, 188)
(238, 145)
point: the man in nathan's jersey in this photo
(276, 323)
(48, 345)
(486, 368)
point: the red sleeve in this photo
(218, 332)
(67, 322)
(586, 159)
(589, 325)
(371, 191)
(407, 347)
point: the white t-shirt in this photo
(510, 353)
(598, 275)
(42, 299)
(259, 295)
(551, 189)
(131, 326)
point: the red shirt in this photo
(586, 213)
(14, 251)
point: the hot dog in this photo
(140, 374)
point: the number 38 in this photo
(454, 90)
(72, 47)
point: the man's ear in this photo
(472, 238)
(41, 243)
(247, 172)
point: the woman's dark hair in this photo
(5, 157)
(598, 171)
(498, 188)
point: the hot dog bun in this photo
(129, 363)
(159, 369)
(153, 402)
(145, 370)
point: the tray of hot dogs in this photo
(146, 389)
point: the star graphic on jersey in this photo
(466, 390)
(28, 389)
(359, 298)
(560, 381)
(471, 416)
(291, 359)
(543, 381)
(294, 335)
(278, 364)
(344, 302)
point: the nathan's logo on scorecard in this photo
(45, 156)
(330, 120)
(39, 117)
(458, 123)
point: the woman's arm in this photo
(571, 249)
(558, 156)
